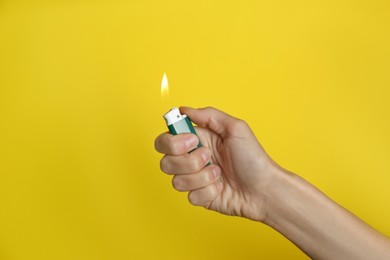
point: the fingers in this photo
(216, 120)
(186, 163)
(175, 144)
(194, 181)
(204, 196)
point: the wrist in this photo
(266, 193)
(277, 193)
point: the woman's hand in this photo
(236, 182)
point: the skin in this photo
(244, 181)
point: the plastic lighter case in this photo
(178, 123)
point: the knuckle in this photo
(240, 124)
(174, 147)
(209, 108)
(178, 183)
(213, 191)
(156, 144)
(193, 199)
(177, 146)
(208, 177)
(197, 163)
(165, 165)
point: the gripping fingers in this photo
(204, 196)
(186, 163)
(194, 181)
(175, 144)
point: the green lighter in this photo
(178, 123)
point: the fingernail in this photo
(216, 172)
(205, 156)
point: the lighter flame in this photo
(164, 88)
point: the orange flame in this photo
(164, 88)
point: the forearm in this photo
(319, 226)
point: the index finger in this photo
(167, 143)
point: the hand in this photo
(244, 181)
(236, 182)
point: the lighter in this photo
(178, 123)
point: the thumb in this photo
(214, 119)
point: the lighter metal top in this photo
(173, 116)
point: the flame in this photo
(164, 88)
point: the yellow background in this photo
(80, 107)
